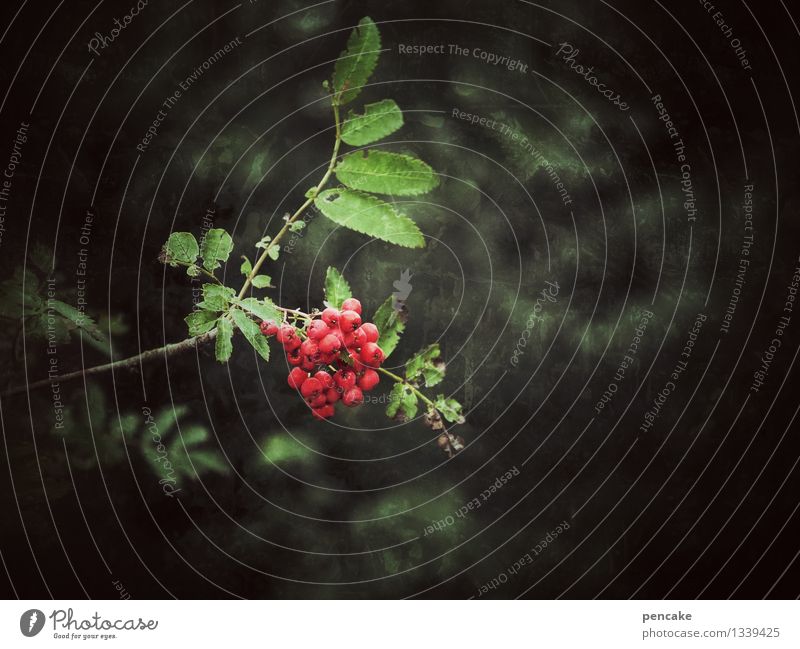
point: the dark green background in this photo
(308, 509)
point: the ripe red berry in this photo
(360, 337)
(358, 366)
(269, 328)
(326, 379)
(317, 330)
(324, 412)
(286, 333)
(329, 343)
(332, 395)
(349, 321)
(368, 380)
(317, 402)
(297, 377)
(372, 332)
(295, 357)
(311, 388)
(345, 378)
(353, 397)
(330, 317)
(351, 304)
(372, 355)
(349, 339)
(309, 349)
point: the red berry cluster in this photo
(336, 337)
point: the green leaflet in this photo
(76, 317)
(402, 402)
(379, 120)
(355, 65)
(450, 409)
(390, 325)
(216, 247)
(252, 332)
(383, 172)
(216, 297)
(224, 344)
(337, 290)
(180, 248)
(369, 215)
(246, 267)
(264, 309)
(200, 322)
(426, 365)
(261, 281)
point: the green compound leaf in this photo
(390, 324)
(262, 281)
(402, 402)
(252, 332)
(264, 309)
(379, 120)
(216, 247)
(180, 248)
(355, 65)
(450, 409)
(369, 215)
(337, 290)
(383, 172)
(224, 344)
(216, 297)
(427, 365)
(200, 322)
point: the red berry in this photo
(296, 378)
(317, 402)
(292, 343)
(349, 321)
(269, 328)
(309, 349)
(372, 355)
(329, 344)
(349, 339)
(332, 395)
(331, 317)
(324, 412)
(307, 365)
(311, 388)
(360, 337)
(358, 366)
(368, 380)
(294, 357)
(345, 378)
(351, 304)
(327, 359)
(353, 397)
(286, 333)
(317, 330)
(372, 332)
(326, 379)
